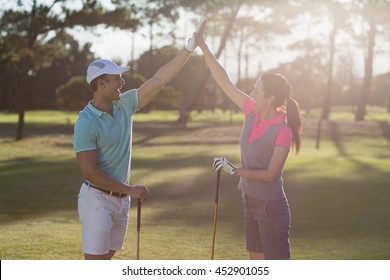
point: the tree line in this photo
(42, 66)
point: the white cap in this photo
(103, 66)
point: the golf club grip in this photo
(217, 186)
(138, 214)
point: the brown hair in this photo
(94, 82)
(278, 86)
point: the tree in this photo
(231, 10)
(188, 78)
(338, 14)
(328, 89)
(371, 12)
(74, 94)
(61, 59)
(225, 15)
(30, 23)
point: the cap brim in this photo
(116, 71)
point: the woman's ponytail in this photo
(278, 86)
(294, 122)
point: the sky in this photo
(117, 44)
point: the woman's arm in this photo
(219, 74)
(274, 168)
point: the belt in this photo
(121, 195)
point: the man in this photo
(102, 143)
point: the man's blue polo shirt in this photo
(110, 135)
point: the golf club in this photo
(138, 225)
(216, 209)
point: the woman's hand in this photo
(200, 34)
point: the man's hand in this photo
(224, 164)
(191, 43)
(140, 192)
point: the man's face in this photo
(112, 85)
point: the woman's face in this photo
(258, 95)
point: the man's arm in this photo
(148, 91)
(91, 172)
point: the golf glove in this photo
(224, 164)
(191, 43)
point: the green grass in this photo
(347, 113)
(338, 194)
(41, 117)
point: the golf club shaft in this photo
(216, 210)
(138, 225)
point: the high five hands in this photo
(197, 37)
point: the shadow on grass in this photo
(385, 129)
(35, 129)
(335, 136)
(189, 198)
(144, 133)
(193, 134)
(31, 188)
(323, 207)
(339, 207)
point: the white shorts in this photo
(103, 219)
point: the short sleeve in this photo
(284, 137)
(248, 107)
(130, 99)
(84, 137)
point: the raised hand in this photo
(200, 33)
(192, 42)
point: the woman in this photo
(265, 144)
